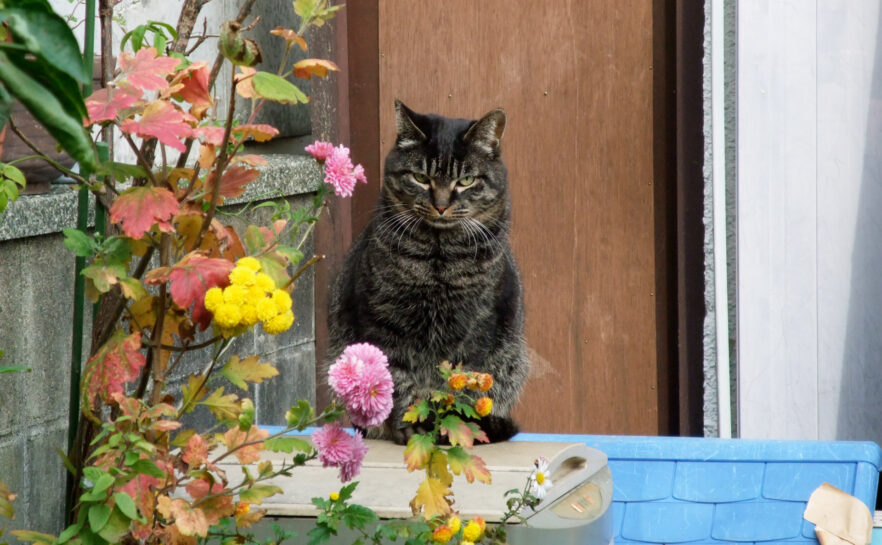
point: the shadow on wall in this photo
(860, 390)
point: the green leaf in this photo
(79, 242)
(299, 416)
(118, 525)
(13, 368)
(36, 537)
(93, 474)
(99, 514)
(121, 171)
(291, 253)
(47, 36)
(5, 106)
(320, 534)
(71, 531)
(287, 444)
(48, 110)
(358, 516)
(104, 482)
(347, 491)
(146, 466)
(258, 492)
(12, 174)
(277, 89)
(126, 505)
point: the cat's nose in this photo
(441, 209)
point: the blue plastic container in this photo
(703, 491)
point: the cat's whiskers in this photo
(415, 220)
(392, 222)
(472, 234)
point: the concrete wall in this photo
(809, 235)
(36, 298)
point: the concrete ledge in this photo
(31, 215)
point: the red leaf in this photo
(138, 208)
(105, 104)
(162, 121)
(145, 70)
(117, 362)
(260, 132)
(190, 278)
(313, 67)
(211, 135)
(194, 81)
(471, 466)
(233, 181)
(196, 452)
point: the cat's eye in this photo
(465, 182)
(420, 178)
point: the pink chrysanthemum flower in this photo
(361, 378)
(320, 150)
(341, 174)
(337, 448)
(343, 376)
(357, 449)
(368, 353)
(370, 402)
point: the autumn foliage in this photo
(169, 278)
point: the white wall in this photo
(810, 219)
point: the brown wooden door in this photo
(576, 80)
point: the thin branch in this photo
(42, 155)
(221, 163)
(315, 259)
(219, 59)
(141, 159)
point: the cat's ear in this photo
(409, 134)
(486, 133)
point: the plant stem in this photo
(220, 164)
(42, 155)
(141, 159)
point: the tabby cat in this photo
(432, 276)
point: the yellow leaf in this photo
(239, 372)
(193, 391)
(432, 499)
(313, 67)
(438, 468)
(224, 407)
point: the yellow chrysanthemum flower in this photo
(335, 496)
(234, 295)
(266, 310)
(227, 315)
(242, 276)
(472, 531)
(279, 323)
(253, 294)
(213, 298)
(265, 281)
(282, 300)
(455, 524)
(249, 262)
(249, 315)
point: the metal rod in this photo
(79, 282)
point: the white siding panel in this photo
(777, 249)
(849, 220)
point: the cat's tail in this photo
(498, 428)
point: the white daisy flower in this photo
(540, 479)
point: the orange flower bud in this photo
(485, 382)
(242, 508)
(457, 381)
(442, 534)
(483, 406)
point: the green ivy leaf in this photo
(99, 514)
(357, 516)
(126, 505)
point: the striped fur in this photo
(432, 276)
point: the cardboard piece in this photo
(839, 517)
